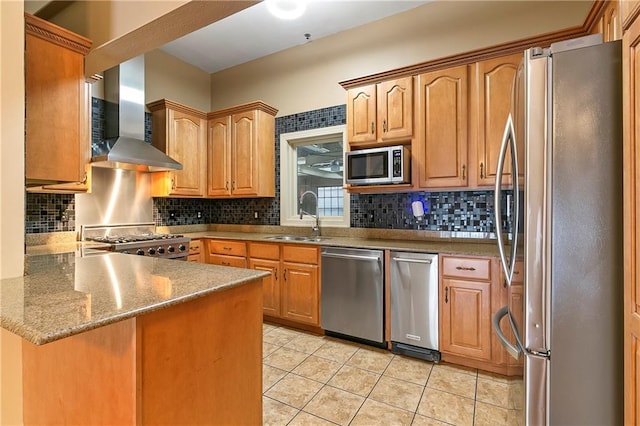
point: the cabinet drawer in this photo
(467, 267)
(222, 260)
(194, 247)
(230, 248)
(264, 251)
(300, 254)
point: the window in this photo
(312, 160)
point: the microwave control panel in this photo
(397, 163)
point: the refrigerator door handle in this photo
(513, 350)
(507, 137)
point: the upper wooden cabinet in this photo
(180, 132)
(490, 105)
(57, 105)
(380, 112)
(609, 24)
(241, 151)
(440, 153)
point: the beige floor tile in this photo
(270, 376)
(446, 407)
(268, 348)
(420, 420)
(515, 417)
(516, 394)
(280, 336)
(354, 380)
(456, 368)
(494, 376)
(490, 415)
(452, 381)
(275, 413)
(376, 413)
(412, 370)
(268, 327)
(371, 359)
(306, 419)
(493, 392)
(335, 405)
(306, 343)
(316, 368)
(285, 359)
(398, 393)
(294, 390)
(336, 350)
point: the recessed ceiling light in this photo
(286, 9)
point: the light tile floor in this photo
(320, 380)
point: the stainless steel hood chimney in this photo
(124, 146)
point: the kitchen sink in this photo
(295, 238)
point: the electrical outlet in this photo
(255, 215)
(199, 215)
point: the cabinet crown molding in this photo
(55, 34)
(168, 104)
(259, 105)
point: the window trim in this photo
(288, 201)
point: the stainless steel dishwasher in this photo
(352, 300)
(414, 305)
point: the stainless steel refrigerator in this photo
(564, 139)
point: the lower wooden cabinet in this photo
(226, 253)
(292, 291)
(196, 254)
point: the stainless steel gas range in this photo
(139, 239)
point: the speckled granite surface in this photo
(65, 294)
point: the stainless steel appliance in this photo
(352, 293)
(378, 166)
(414, 304)
(140, 239)
(567, 122)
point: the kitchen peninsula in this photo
(117, 339)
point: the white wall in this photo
(11, 194)
(306, 77)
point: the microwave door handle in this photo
(506, 137)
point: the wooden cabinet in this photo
(180, 132)
(380, 112)
(226, 253)
(241, 151)
(609, 24)
(465, 306)
(513, 297)
(196, 253)
(441, 151)
(490, 105)
(57, 141)
(292, 292)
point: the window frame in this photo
(289, 215)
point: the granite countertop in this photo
(450, 246)
(65, 293)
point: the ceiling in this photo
(255, 32)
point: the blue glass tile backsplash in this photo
(470, 211)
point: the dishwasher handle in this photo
(408, 260)
(350, 256)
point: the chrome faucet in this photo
(316, 227)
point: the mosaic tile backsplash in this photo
(470, 211)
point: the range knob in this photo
(171, 249)
(140, 252)
(125, 252)
(152, 251)
(181, 247)
(160, 250)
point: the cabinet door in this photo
(516, 306)
(300, 293)
(361, 114)
(611, 25)
(442, 139)
(56, 142)
(270, 285)
(244, 155)
(466, 318)
(491, 102)
(219, 156)
(395, 109)
(187, 145)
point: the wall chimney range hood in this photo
(124, 146)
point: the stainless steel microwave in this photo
(378, 166)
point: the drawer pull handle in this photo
(446, 295)
(225, 263)
(226, 248)
(465, 268)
